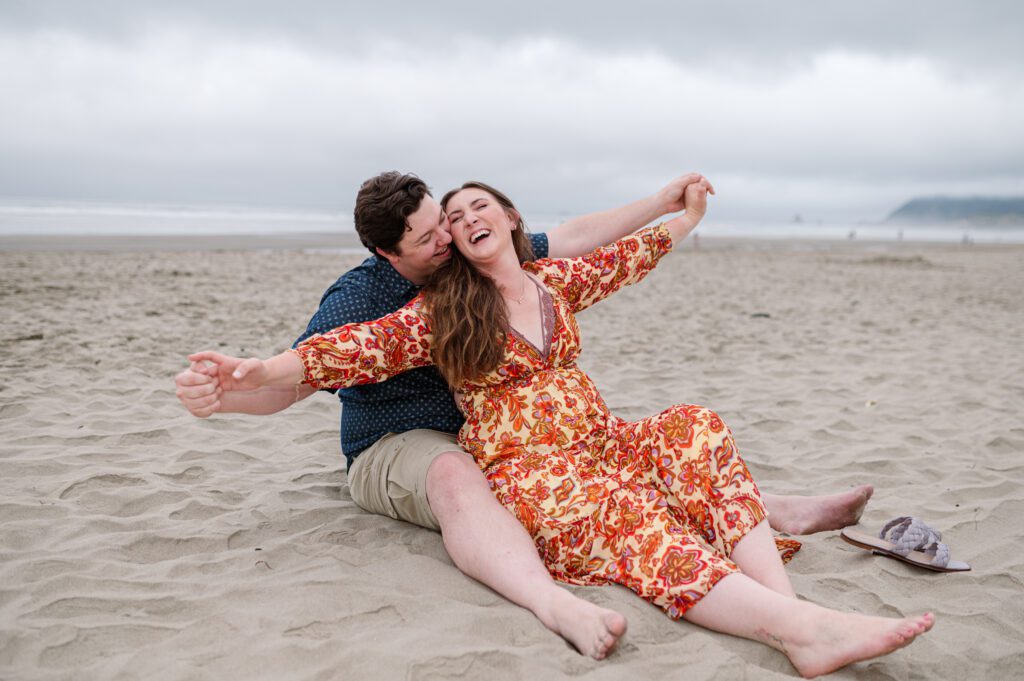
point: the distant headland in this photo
(975, 211)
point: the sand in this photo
(139, 542)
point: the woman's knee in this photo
(708, 417)
(696, 416)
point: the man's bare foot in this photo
(592, 630)
(807, 515)
(837, 639)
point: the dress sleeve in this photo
(602, 272)
(367, 352)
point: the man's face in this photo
(425, 245)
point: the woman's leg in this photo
(815, 639)
(487, 543)
(688, 453)
(663, 561)
(755, 554)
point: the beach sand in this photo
(139, 542)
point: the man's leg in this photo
(794, 514)
(422, 477)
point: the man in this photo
(398, 436)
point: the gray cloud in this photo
(837, 111)
(960, 33)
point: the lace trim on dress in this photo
(547, 319)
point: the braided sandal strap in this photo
(908, 534)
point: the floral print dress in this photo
(656, 505)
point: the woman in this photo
(664, 506)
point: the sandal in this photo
(909, 540)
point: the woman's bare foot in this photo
(592, 630)
(836, 639)
(807, 515)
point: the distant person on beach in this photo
(664, 506)
(398, 436)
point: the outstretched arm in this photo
(199, 390)
(583, 234)
(269, 376)
(354, 354)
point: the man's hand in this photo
(233, 373)
(199, 391)
(671, 197)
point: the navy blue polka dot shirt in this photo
(418, 398)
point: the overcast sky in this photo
(831, 110)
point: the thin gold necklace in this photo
(522, 293)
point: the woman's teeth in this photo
(479, 235)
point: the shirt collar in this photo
(394, 283)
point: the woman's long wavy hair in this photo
(468, 316)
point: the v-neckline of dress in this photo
(547, 313)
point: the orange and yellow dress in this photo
(656, 505)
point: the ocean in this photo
(110, 219)
(166, 220)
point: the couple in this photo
(664, 506)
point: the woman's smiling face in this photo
(481, 227)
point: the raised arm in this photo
(595, 276)
(581, 235)
(584, 281)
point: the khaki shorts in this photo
(390, 477)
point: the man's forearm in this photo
(583, 234)
(263, 401)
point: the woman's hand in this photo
(695, 199)
(671, 197)
(235, 373)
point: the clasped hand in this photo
(233, 373)
(674, 196)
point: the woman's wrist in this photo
(284, 370)
(681, 226)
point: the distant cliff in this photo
(973, 211)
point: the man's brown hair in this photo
(383, 206)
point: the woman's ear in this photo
(513, 217)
